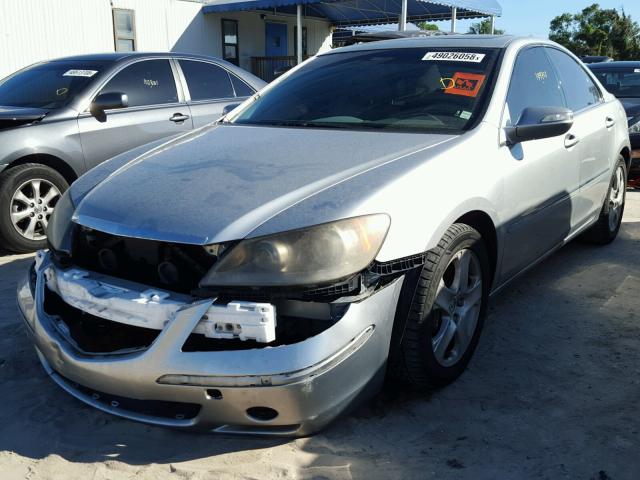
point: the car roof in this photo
(442, 41)
(618, 64)
(119, 56)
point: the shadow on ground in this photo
(552, 392)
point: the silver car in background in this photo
(263, 275)
(60, 118)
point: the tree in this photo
(597, 31)
(484, 26)
(428, 26)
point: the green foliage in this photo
(484, 26)
(428, 26)
(598, 31)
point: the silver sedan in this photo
(265, 273)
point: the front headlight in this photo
(60, 226)
(634, 126)
(308, 256)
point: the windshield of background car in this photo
(412, 89)
(48, 85)
(622, 82)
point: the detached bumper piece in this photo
(137, 352)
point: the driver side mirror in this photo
(108, 101)
(540, 122)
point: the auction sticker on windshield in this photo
(80, 73)
(466, 84)
(454, 57)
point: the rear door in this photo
(209, 88)
(156, 110)
(593, 129)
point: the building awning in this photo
(364, 12)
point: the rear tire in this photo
(447, 311)
(28, 196)
(606, 228)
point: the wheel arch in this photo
(483, 223)
(51, 161)
(626, 154)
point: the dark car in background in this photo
(60, 118)
(596, 59)
(623, 80)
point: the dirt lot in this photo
(552, 392)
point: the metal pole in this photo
(493, 24)
(299, 33)
(402, 21)
(454, 14)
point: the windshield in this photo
(416, 89)
(49, 85)
(622, 82)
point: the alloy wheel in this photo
(616, 198)
(31, 207)
(457, 307)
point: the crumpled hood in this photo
(15, 116)
(222, 182)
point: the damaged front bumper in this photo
(293, 389)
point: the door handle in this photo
(609, 122)
(179, 118)
(570, 140)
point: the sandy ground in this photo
(552, 392)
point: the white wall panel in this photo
(35, 30)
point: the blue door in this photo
(275, 40)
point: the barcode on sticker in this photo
(80, 73)
(454, 57)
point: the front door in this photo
(154, 112)
(541, 176)
(275, 39)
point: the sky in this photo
(532, 17)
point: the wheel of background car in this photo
(28, 196)
(605, 230)
(447, 311)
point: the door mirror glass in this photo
(540, 122)
(109, 101)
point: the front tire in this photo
(606, 228)
(28, 196)
(447, 312)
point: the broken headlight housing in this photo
(60, 226)
(634, 126)
(308, 256)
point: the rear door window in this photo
(578, 88)
(241, 88)
(206, 81)
(150, 82)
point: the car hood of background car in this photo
(631, 106)
(221, 183)
(15, 116)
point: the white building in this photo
(259, 35)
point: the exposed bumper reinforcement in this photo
(307, 384)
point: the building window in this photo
(230, 41)
(304, 41)
(124, 30)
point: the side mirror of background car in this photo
(540, 122)
(227, 108)
(109, 101)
